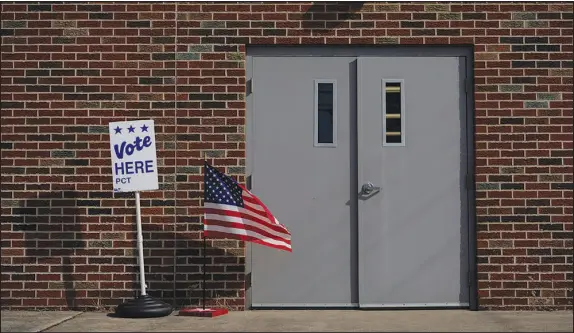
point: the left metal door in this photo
(305, 180)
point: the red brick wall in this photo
(68, 69)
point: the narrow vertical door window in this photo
(393, 113)
(325, 113)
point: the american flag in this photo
(231, 211)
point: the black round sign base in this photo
(143, 307)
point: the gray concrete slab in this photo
(33, 321)
(331, 320)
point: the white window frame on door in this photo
(384, 113)
(316, 113)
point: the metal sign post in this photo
(134, 168)
(143, 286)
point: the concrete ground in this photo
(296, 320)
(33, 321)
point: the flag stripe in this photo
(246, 193)
(256, 199)
(254, 207)
(216, 231)
(235, 227)
(231, 210)
(238, 222)
(235, 222)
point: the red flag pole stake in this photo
(203, 312)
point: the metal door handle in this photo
(369, 189)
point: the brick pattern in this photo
(68, 69)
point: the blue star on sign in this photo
(144, 128)
(118, 130)
(131, 129)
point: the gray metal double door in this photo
(363, 160)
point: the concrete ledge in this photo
(33, 321)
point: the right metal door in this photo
(413, 225)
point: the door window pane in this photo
(325, 113)
(393, 111)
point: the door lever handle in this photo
(369, 189)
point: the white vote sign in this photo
(134, 160)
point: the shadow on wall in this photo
(52, 238)
(96, 273)
(224, 269)
(335, 13)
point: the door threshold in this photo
(303, 306)
(357, 306)
(415, 306)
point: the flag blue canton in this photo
(221, 189)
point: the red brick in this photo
(121, 59)
(490, 301)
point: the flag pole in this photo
(204, 273)
(203, 236)
(203, 312)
